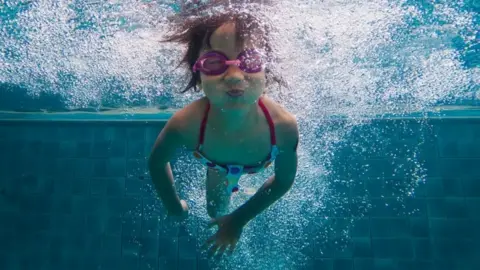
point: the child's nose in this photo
(234, 75)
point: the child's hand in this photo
(181, 216)
(226, 237)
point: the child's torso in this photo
(249, 147)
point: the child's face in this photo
(218, 87)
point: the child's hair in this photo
(194, 30)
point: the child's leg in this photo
(218, 200)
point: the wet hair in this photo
(194, 29)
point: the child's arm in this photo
(278, 184)
(165, 146)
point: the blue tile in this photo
(343, 264)
(103, 133)
(450, 207)
(344, 248)
(451, 228)
(9, 220)
(137, 168)
(130, 246)
(33, 223)
(452, 187)
(434, 187)
(98, 186)
(84, 168)
(100, 168)
(51, 149)
(472, 205)
(39, 204)
(129, 262)
(362, 264)
(115, 186)
(149, 246)
(384, 264)
(385, 207)
(134, 186)
(80, 186)
(94, 244)
(360, 228)
(92, 262)
(150, 227)
(187, 248)
(131, 227)
(61, 205)
(120, 133)
(187, 264)
(390, 227)
(392, 248)
(414, 207)
(114, 225)
(110, 261)
(136, 149)
(149, 263)
(116, 167)
(116, 205)
(81, 205)
(324, 264)
(68, 224)
(362, 247)
(153, 208)
(415, 265)
(35, 148)
(203, 264)
(67, 149)
(62, 185)
(168, 247)
(422, 248)
(149, 191)
(32, 262)
(101, 149)
(118, 149)
(135, 134)
(455, 168)
(75, 243)
(132, 207)
(167, 263)
(419, 227)
(8, 245)
(324, 249)
(458, 249)
(66, 168)
(84, 149)
(471, 186)
(95, 224)
(112, 245)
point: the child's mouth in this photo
(235, 92)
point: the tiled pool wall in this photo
(71, 194)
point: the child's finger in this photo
(209, 241)
(212, 251)
(221, 251)
(232, 248)
(212, 223)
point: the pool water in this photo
(76, 195)
(387, 99)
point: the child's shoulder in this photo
(187, 120)
(285, 122)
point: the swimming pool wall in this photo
(72, 194)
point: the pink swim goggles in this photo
(215, 63)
